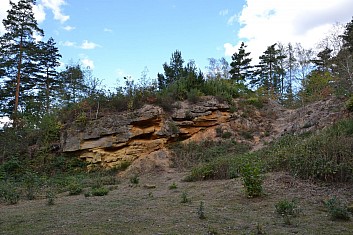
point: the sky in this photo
(116, 38)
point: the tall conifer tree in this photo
(17, 46)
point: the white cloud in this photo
(4, 7)
(88, 45)
(232, 19)
(265, 22)
(224, 12)
(55, 7)
(38, 10)
(108, 30)
(87, 63)
(68, 44)
(68, 28)
(39, 13)
(229, 49)
(4, 121)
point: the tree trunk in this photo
(18, 83)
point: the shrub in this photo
(9, 192)
(287, 209)
(201, 211)
(134, 179)
(255, 101)
(173, 186)
(50, 197)
(184, 198)
(194, 95)
(194, 154)
(349, 104)
(75, 188)
(31, 182)
(101, 191)
(252, 179)
(336, 209)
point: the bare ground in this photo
(152, 208)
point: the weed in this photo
(259, 229)
(336, 209)
(349, 104)
(75, 188)
(201, 211)
(287, 209)
(31, 182)
(219, 131)
(10, 193)
(134, 180)
(226, 135)
(252, 180)
(50, 197)
(173, 186)
(184, 197)
(101, 191)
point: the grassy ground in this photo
(151, 207)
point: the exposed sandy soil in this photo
(131, 209)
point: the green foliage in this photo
(337, 210)
(255, 101)
(100, 191)
(184, 198)
(285, 207)
(75, 188)
(31, 183)
(201, 211)
(316, 86)
(186, 156)
(324, 156)
(349, 104)
(9, 192)
(134, 179)
(173, 186)
(194, 95)
(252, 179)
(50, 197)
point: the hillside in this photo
(186, 173)
(142, 137)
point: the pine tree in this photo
(348, 36)
(17, 45)
(323, 60)
(240, 65)
(269, 72)
(73, 86)
(48, 81)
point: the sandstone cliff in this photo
(142, 136)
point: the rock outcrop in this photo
(142, 136)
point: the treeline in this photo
(32, 87)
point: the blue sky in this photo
(121, 38)
(118, 38)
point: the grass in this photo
(129, 210)
(320, 157)
(325, 156)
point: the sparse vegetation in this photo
(134, 180)
(252, 179)
(336, 209)
(33, 166)
(201, 211)
(184, 197)
(173, 186)
(99, 191)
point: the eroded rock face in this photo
(142, 136)
(128, 136)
